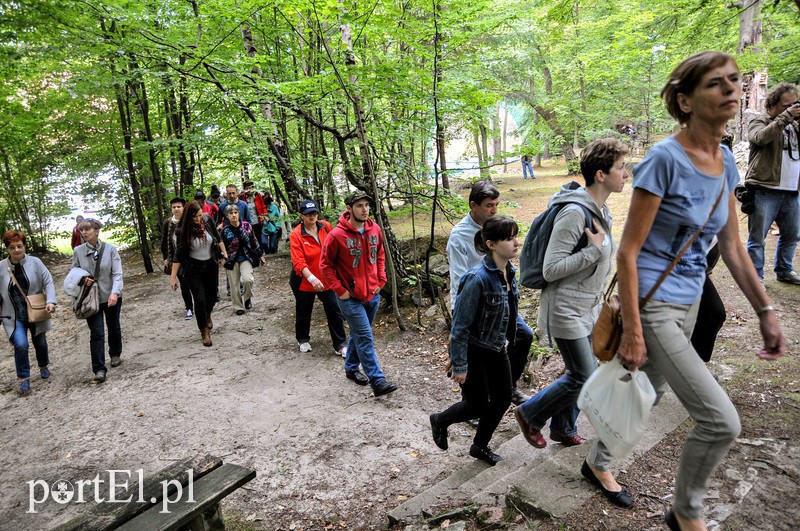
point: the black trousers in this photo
(186, 293)
(710, 318)
(304, 305)
(486, 394)
(518, 356)
(203, 279)
(97, 334)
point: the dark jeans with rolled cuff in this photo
(203, 279)
(304, 305)
(106, 318)
(485, 395)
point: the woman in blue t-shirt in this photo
(675, 189)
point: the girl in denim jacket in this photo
(484, 325)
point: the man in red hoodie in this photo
(352, 265)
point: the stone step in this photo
(536, 481)
(556, 487)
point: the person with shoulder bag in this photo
(27, 299)
(97, 272)
(198, 255)
(169, 241)
(570, 302)
(682, 197)
(244, 254)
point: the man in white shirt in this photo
(483, 200)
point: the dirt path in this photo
(325, 450)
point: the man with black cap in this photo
(352, 266)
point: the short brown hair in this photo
(90, 223)
(600, 155)
(13, 235)
(774, 96)
(687, 75)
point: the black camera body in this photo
(747, 197)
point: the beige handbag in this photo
(37, 303)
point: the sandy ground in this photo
(324, 448)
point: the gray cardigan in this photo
(39, 280)
(570, 303)
(110, 277)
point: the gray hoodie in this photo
(570, 304)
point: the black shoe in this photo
(116, 361)
(671, 520)
(518, 397)
(248, 304)
(439, 432)
(484, 454)
(620, 499)
(239, 312)
(357, 377)
(383, 388)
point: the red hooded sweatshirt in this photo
(353, 261)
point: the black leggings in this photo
(710, 318)
(202, 277)
(485, 395)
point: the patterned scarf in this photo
(199, 232)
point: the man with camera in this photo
(773, 179)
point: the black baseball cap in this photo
(199, 195)
(307, 207)
(358, 195)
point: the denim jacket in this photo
(482, 312)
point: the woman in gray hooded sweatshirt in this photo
(569, 305)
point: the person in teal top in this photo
(272, 227)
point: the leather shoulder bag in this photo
(36, 303)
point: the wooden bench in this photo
(211, 481)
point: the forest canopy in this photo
(128, 103)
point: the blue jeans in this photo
(20, 341)
(527, 167)
(558, 401)
(97, 334)
(360, 347)
(784, 209)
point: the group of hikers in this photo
(682, 210)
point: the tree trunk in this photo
(754, 83)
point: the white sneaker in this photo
(342, 352)
(189, 314)
(305, 347)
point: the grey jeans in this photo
(671, 360)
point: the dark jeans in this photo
(558, 401)
(20, 341)
(304, 305)
(710, 318)
(518, 357)
(186, 293)
(486, 394)
(270, 242)
(203, 279)
(97, 336)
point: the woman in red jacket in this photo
(305, 244)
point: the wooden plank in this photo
(111, 515)
(208, 490)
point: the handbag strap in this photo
(14, 280)
(685, 248)
(100, 249)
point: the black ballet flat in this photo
(620, 499)
(671, 520)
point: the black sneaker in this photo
(383, 388)
(484, 454)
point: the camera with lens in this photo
(747, 197)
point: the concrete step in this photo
(556, 487)
(537, 481)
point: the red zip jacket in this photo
(352, 261)
(306, 251)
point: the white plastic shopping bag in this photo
(618, 403)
